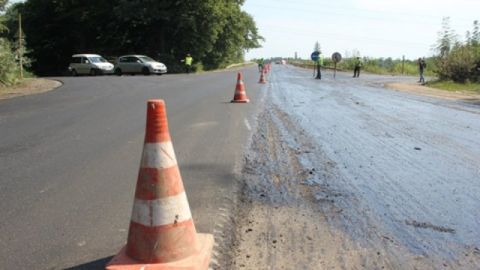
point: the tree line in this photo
(215, 32)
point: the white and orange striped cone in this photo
(162, 234)
(262, 78)
(240, 93)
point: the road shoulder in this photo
(29, 86)
(416, 89)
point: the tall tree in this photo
(446, 38)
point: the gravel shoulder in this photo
(29, 86)
(413, 88)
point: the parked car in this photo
(132, 64)
(92, 64)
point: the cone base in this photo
(199, 261)
(240, 101)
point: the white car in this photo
(132, 64)
(92, 64)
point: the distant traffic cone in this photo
(240, 94)
(262, 78)
(162, 234)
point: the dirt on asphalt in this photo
(29, 87)
(291, 218)
(331, 181)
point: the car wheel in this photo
(145, 71)
(74, 73)
(93, 72)
(118, 72)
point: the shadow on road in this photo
(95, 265)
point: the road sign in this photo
(336, 57)
(315, 56)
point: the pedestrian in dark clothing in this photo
(422, 65)
(357, 66)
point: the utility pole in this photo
(20, 50)
(403, 64)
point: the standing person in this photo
(260, 64)
(188, 63)
(357, 66)
(319, 65)
(422, 64)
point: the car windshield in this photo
(146, 59)
(97, 59)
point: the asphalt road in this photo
(69, 160)
(345, 174)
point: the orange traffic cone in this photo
(240, 94)
(262, 78)
(162, 234)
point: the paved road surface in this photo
(344, 174)
(69, 159)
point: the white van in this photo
(92, 64)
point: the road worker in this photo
(319, 65)
(357, 66)
(260, 63)
(188, 63)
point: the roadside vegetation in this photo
(9, 54)
(458, 61)
(215, 32)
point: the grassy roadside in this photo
(453, 86)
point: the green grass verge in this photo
(453, 86)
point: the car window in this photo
(146, 59)
(97, 59)
(76, 60)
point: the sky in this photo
(374, 28)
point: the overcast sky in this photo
(377, 28)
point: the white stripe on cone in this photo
(158, 155)
(165, 211)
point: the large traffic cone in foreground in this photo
(262, 77)
(240, 94)
(162, 234)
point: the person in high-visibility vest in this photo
(319, 65)
(357, 66)
(188, 63)
(260, 63)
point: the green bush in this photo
(9, 71)
(459, 65)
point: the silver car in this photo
(138, 64)
(92, 64)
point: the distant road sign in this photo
(336, 57)
(315, 56)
